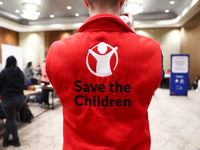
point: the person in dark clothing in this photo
(12, 96)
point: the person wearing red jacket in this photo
(105, 76)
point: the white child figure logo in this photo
(103, 67)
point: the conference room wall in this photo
(51, 36)
(169, 39)
(8, 37)
(190, 44)
(33, 47)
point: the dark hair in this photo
(11, 62)
(29, 64)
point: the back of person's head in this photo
(103, 4)
(11, 62)
(29, 64)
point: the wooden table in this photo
(28, 93)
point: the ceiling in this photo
(153, 15)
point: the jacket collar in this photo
(103, 22)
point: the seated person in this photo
(193, 84)
(26, 84)
(45, 92)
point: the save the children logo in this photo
(102, 59)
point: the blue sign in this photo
(179, 74)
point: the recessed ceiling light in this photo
(76, 14)
(69, 7)
(1, 3)
(172, 2)
(166, 11)
(17, 11)
(52, 16)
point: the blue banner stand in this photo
(179, 79)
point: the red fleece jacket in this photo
(105, 76)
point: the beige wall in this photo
(33, 47)
(33, 44)
(190, 44)
(169, 39)
(172, 41)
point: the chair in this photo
(34, 81)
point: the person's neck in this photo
(96, 12)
